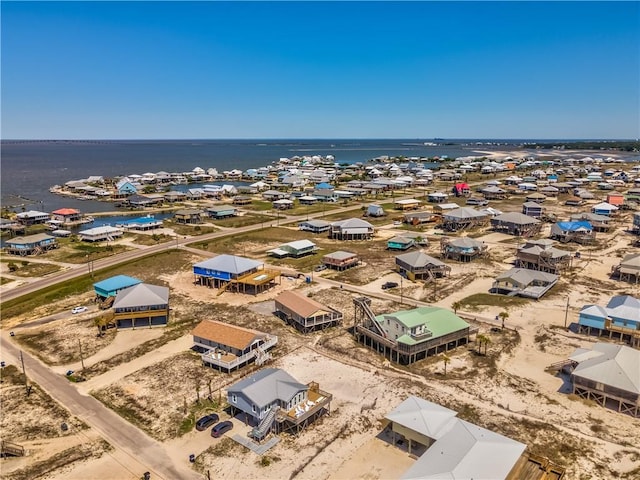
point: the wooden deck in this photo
(534, 467)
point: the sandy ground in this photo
(514, 395)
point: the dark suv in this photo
(207, 421)
(221, 428)
(388, 285)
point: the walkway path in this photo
(143, 452)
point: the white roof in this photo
(461, 451)
(100, 230)
(468, 452)
(605, 206)
(283, 201)
(421, 416)
(299, 244)
(411, 201)
(617, 366)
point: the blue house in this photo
(621, 316)
(125, 187)
(31, 244)
(323, 186)
(400, 243)
(111, 286)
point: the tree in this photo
(445, 360)
(480, 339)
(503, 316)
(487, 341)
(456, 306)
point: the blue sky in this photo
(91, 70)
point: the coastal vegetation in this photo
(618, 145)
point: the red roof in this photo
(66, 211)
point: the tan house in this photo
(229, 347)
(304, 313)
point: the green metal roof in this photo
(438, 320)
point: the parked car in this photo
(206, 421)
(221, 428)
(79, 309)
(320, 268)
(389, 285)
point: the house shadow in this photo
(399, 442)
(567, 386)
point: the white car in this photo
(79, 310)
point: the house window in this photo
(253, 408)
(234, 398)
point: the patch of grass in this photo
(190, 230)
(147, 269)
(260, 205)
(196, 411)
(60, 460)
(5, 280)
(244, 220)
(36, 269)
(72, 251)
(478, 301)
(154, 239)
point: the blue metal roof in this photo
(324, 186)
(116, 283)
(573, 226)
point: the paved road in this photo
(124, 257)
(143, 450)
(146, 454)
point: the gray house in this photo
(273, 398)
(524, 283)
(142, 305)
(518, 224)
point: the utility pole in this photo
(24, 373)
(81, 356)
(401, 292)
(566, 313)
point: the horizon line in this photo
(271, 139)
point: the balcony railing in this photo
(229, 361)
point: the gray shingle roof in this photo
(229, 263)
(515, 218)
(419, 259)
(524, 276)
(268, 385)
(140, 295)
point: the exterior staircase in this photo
(363, 303)
(263, 428)
(11, 449)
